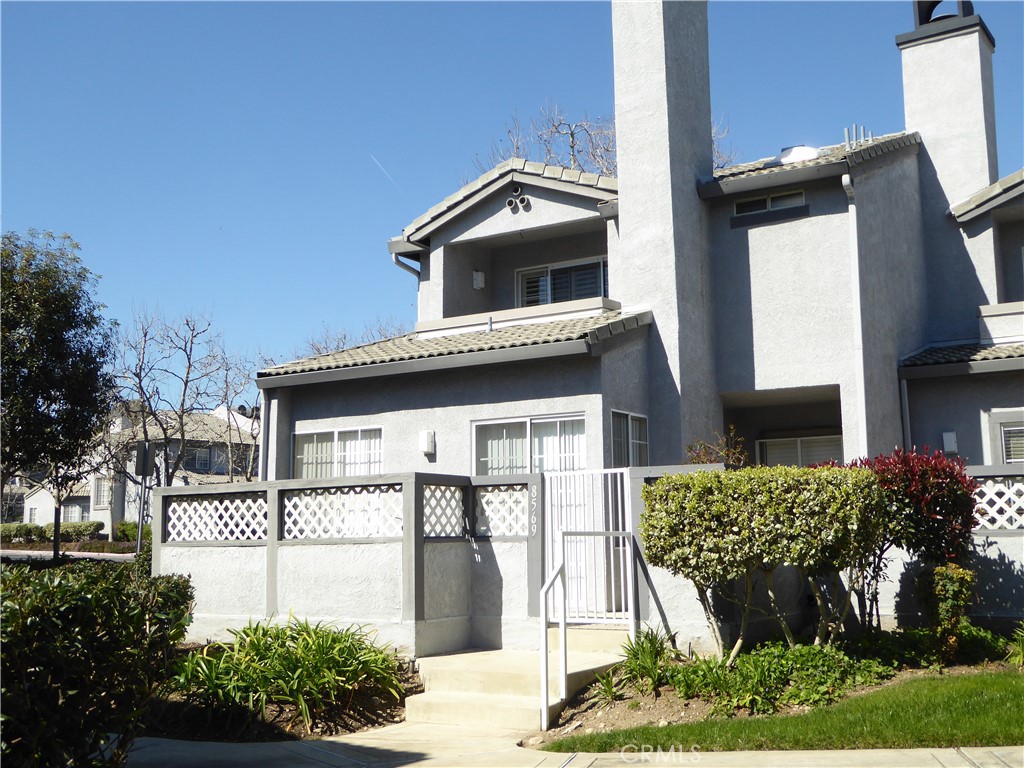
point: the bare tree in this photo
(586, 144)
(332, 339)
(167, 371)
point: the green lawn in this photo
(983, 709)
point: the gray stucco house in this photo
(830, 302)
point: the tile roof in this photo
(506, 168)
(826, 155)
(965, 353)
(417, 346)
(1002, 190)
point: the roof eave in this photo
(711, 190)
(936, 370)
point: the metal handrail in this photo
(557, 575)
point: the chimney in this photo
(663, 136)
(948, 96)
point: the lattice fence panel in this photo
(502, 510)
(351, 512)
(1000, 503)
(231, 517)
(443, 511)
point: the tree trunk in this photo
(769, 581)
(709, 615)
(748, 592)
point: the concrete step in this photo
(503, 673)
(497, 688)
(590, 638)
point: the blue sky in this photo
(251, 160)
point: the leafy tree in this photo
(55, 345)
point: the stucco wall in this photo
(961, 404)
(1010, 242)
(893, 297)
(229, 582)
(448, 402)
(499, 595)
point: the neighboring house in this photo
(830, 302)
(221, 447)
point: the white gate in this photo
(588, 512)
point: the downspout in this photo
(407, 267)
(858, 329)
(908, 442)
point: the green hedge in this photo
(82, 531)
(81, 647)
(26, 532)
(129, 531)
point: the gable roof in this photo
(994, 195)
(832, 160)
(588, 184)
(548, 339)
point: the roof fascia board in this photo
(424, 232)
(426, 364)
(995, 202)
(1009, 364)
(778, 178)
(940, 28)
(572, 187)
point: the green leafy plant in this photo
(647, 659)
(945, 593)
(307, 666)
(1015, 648)
(606, 688)
(83, 645)
(21, 532)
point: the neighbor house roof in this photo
(994, 195)
(831, 160)
(464, 347)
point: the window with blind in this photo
(800, 451)
(1013, 443)
(551, 284)
(629, 440)
(530, 445)
(101, 491)
(342, 453)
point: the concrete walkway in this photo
(445, 746)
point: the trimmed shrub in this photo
(718, 527)
(81, 648)
(21, 532)
(129, 531)
(81, 531)
(945, 592)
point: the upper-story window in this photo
(1013, 442)
(562, 282)
(800, 451)
(770, 202)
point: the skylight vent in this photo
(797, 154)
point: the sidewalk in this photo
(446, 746)
(40, 554)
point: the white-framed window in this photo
(101, 491)
(775, 202)
(32, 516)
(1012, 441)
(202, 459)
(74, 512)
(562, 282)
(629, 440)
(337, 453)
(548, 444)
(800, 451)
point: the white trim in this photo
(335, 432)
(633, 459)
(529, 421)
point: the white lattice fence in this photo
(1000, 503)
(443, 511)
(349, 512)
(227, 517)
(502, 510)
